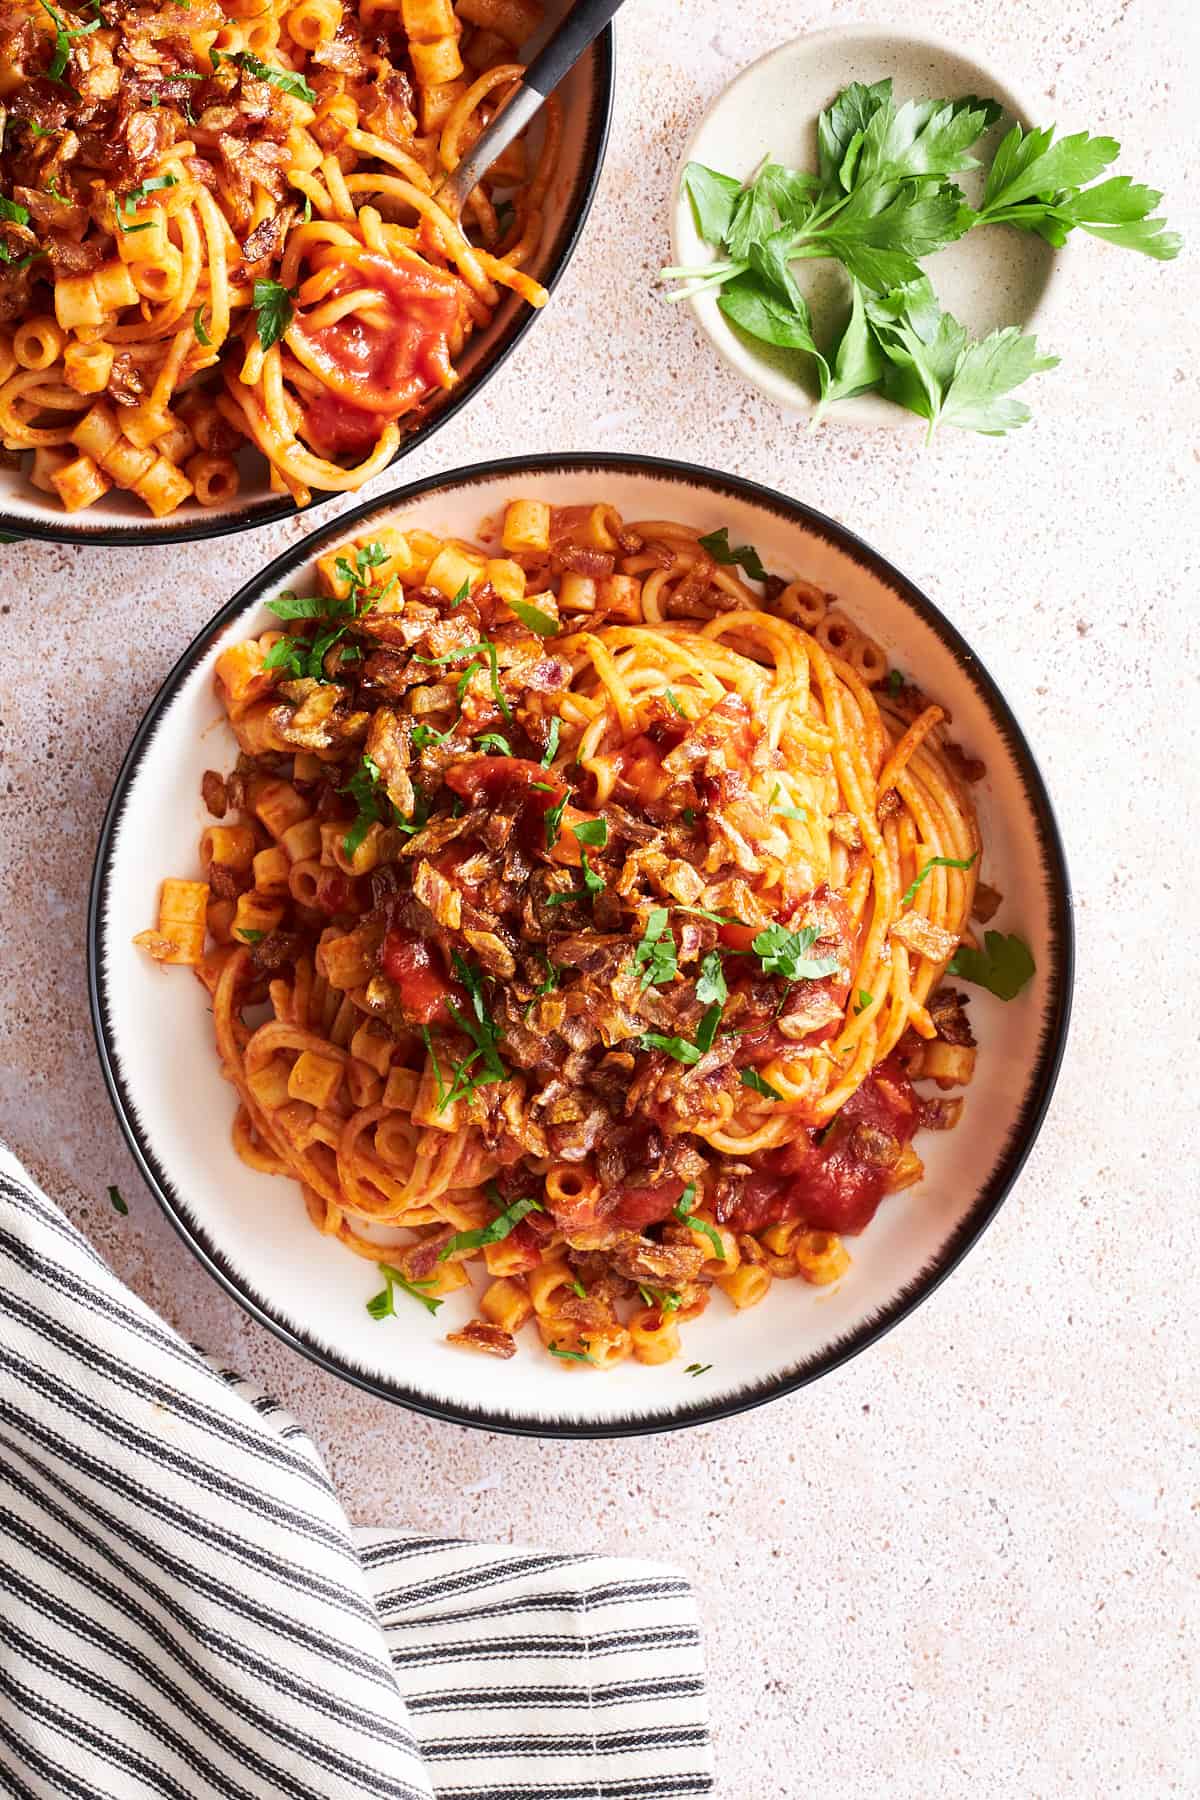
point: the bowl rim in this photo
(1051, 1048)
(867, 411)
(16, 527)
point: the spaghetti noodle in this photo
(219, 224)
(601, 903)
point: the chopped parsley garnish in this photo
(499, 1228)
(666, 1302)
(563, 899)
(250, 937)
(1003, 966)
(673, 703)
(202, 336)
(593, 883)
(383, 1304)
(697, 1368)
(702, 912)
(684, 1211)
(784, 952)
(357, 576)
(775, 805)
(553, 821)
(657, 950)
(745, 556)
(551, 749)
(533, 618)
(572, 1355)
(286, 80)
(492, 740)
(424, 737)
(688, 815)
(676, 1047)
(935, 862)
(363, 788)
(117, 1201)
(129, 203)
(483, 1034)
(577, 1287)
(710, 985)
(864, 1000)
(894, 682)
(14, 211)
(752, 1079)
(462, 594)
(592, 831)
(272, 311)
(548, 985)
(64, 35)
(485, 648)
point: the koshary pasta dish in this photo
(600, 903)
(219, 225)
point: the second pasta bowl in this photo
(573, 928)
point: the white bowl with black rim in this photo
(586, 94)
(154, 1027)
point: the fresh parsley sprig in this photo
(273, 311)
(655, 953)
(383, 1304)
(935, 862)
(684, 1210)
(784, 952)
(286, 80)
(499, 1228)
(884, 198)
(1004, 965)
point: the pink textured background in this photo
(966, 1564)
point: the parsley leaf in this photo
(571, 1355)
(462, 594)
(1003, 966)
(286, 80)
(935, 370)
(250, 937)
(383, 1304)
(593, 883)
(533, 618)
(673, 703)
(483, 1034)
(752, 1079)
(935, 862)
(775, 805)
(864, 1000)
(710, 987)
(14, 211)
(198, 327)
(894, 682)
(499, 1228)
(64, 36)
(551, 750)
(684, 1210)
(784, 952)
(273, 311)
(485, 648)
(697, 1368)
(592, 831)
(492, 740)
(717, 546)
(117, 1201)
(553, 821)
(676, 1047)
(362, 787)
(547, 986)
(713, 199)
(1039, 185)
(656, 950)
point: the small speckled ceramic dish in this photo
(155, 1030)
(989, 279)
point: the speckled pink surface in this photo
(967, 1564)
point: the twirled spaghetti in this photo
(220, 223)
(601, 903)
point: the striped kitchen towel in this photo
(187, 1614)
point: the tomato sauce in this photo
(415, 968)
(838, 1183)
(377, 372)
